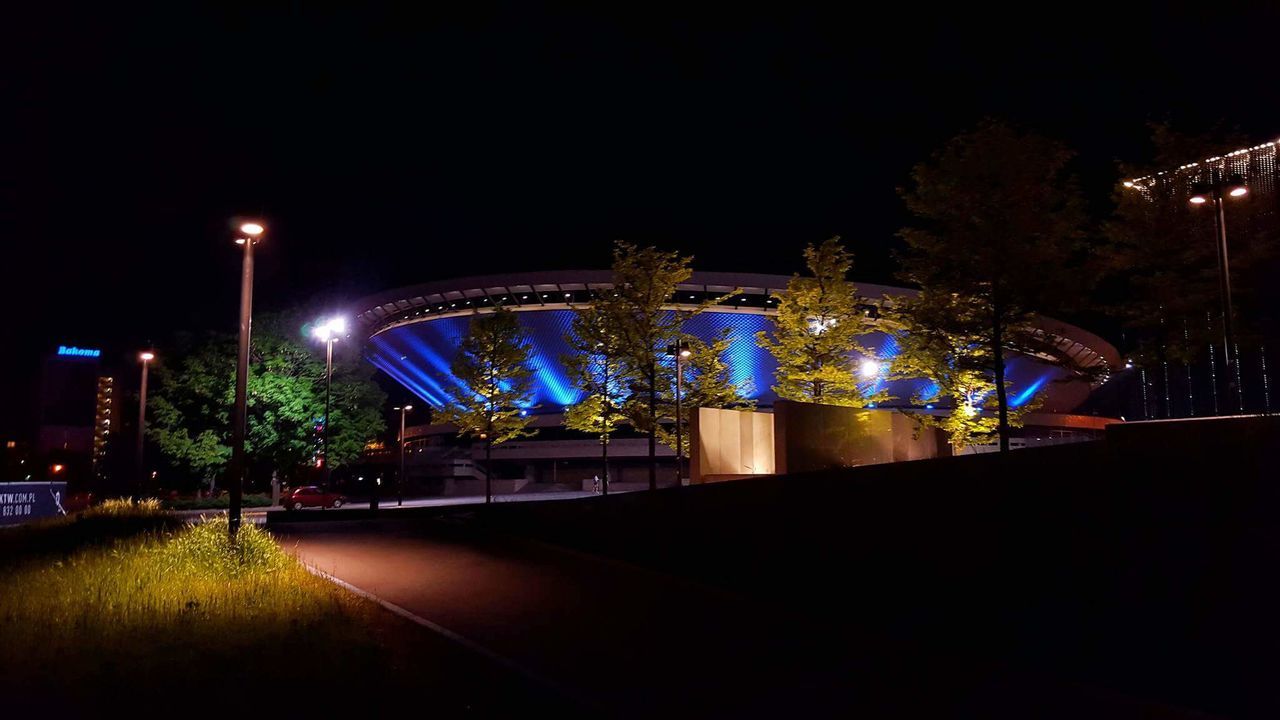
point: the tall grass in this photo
(170, 606)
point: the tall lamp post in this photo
(679, 351)
(329, 332)
(252, 233)
(146, 357)
(1215, 191)
(400, 477)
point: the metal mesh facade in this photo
(418, 355)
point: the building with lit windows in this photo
(1251, 218)
(75, 412)
(412, 334)
(102, 420)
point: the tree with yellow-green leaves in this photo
(820, 319)
(997, 224)
(621, 359)
(943, 337)
(596, 368)
(495, 385)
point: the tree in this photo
(495, 385)
(943, 337)
(998, 225)
(195, 386)
(637, 313)
(820, 318)
(596, 368)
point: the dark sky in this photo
(386, 147)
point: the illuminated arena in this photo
(412, 335)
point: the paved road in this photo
(624, 641)
(621, 639)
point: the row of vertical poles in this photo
(1157, 389)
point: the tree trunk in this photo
(653, 426)
(997, 353)
(488, 470)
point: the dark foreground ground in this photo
(1131, 578)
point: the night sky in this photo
(387, 147)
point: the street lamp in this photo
(330, 332)
(146, 357)
(251, 234)
(1215, 191)
(400, 480)
(680, 351)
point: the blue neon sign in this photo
(74, 351)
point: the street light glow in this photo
(330, 329)
(147, 356)
(1238, 191)
(1199, 199)
(869, 368)
(253, 229)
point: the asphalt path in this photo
(624, 641)
(612, 637)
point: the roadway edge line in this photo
(507, 663)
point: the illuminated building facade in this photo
(1198, 384)
(102, 421)
(75, 413)
(412, 334)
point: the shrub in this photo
(207, 548)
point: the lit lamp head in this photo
(147, 356)
(1235, 186)
(869, 368)
(250, 230)
(1200, 193)
(330, 330)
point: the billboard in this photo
(27, 501)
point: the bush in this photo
(207, 549)
(124, 508)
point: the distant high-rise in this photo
(102, 426)
(75, 411)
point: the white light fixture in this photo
(869, 368)
(332, 329)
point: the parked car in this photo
(311, 496)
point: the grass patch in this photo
(175, 612)
(101, 524)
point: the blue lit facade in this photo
(418, 355)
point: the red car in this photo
(311, 496)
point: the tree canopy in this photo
(636, 313)
(999, 226)
(495, 384)
(194, 391)
(819, 322)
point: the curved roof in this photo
(561, 289)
